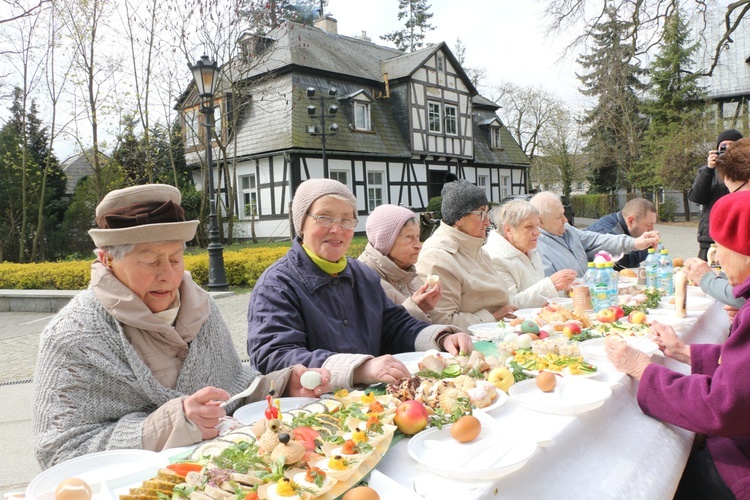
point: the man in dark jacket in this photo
(636, 217)
(708, 188)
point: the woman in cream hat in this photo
(142, 358)
(317, 307)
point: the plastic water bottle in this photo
(614, 282)
(666, 272)
(651, 263)
(600, 296)
(590, 276)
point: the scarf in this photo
(328, 267)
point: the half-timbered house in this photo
(404, 120)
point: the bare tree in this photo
(647, 20)
(15, 10)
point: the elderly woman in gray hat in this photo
(473, 292)
(317, 307)
(142, 358)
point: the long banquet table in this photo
(614, 451)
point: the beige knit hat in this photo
(142, 214)
(311, 190)
(384, 224)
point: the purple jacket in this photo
(713, 400)
(300, 315)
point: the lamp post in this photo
(205, 74)
(322, 132)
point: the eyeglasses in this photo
(325, 221)
(484, 214)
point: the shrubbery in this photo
(592, 206)
(242, 267)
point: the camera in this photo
(722, 150)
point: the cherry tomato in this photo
(183, 468)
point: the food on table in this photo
(361, 493)
(553, 313)
(524, 341)
(628, 273)
(411, 417)
(466, 429)
(678, 262)
(529, 326)
(680, 294)
(637, 317)
(574, 365)
(310, 379)
(606, 316)
(73, 489)
(546, 381)
(572, 328)
(432, 279)
(501, 377)
(165, 482)
(619, 312)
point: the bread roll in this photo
(628, 273)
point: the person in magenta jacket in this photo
(714, 400)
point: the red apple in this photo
(411, 417)
(619, 313)
(543, 334)
(571, 328)
(606, 316)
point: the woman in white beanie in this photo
(473, 292)
(392, 250)
(317, 307)
(142, 358)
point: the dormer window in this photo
(495, 138)
(362, 115)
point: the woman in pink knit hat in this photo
(392, 251)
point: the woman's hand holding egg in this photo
(308, 383)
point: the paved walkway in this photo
(19, 342)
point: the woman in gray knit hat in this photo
(317, 307)
(142, 358)
(473, 292)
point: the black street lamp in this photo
(205, 74)
(322, 132)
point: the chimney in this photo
(364, 37)
(327, 24)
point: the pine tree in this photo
(613, 126)
(265, 15)
(418, 15)
(675, 109)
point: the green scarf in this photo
(328, 267)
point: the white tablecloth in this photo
(614, 451)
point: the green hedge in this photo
(592, 206)
(243, 268)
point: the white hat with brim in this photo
(119, 202)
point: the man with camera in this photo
(708, 188)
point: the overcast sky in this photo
(506, 37)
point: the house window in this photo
(249, 191)
(483, 181)
(495, 137)
(217, 121)
(440, 63)
(192, 127)
(361, 116)
(504, 186)
(375, 189)
(433, 117)
(451, 126)
(340, 175)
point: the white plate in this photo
(493, 454)
(594, 348)
(665, 317)
(527, 313)
(695, 291)
(105, 471)
(694, 303)
(487, 331)
(571, 396)
(249, 414)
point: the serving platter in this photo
(251, 413)
(594, 348)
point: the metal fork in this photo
(245, 393)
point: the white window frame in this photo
(451, 119)
(495, 141)
(504, 186)
(218, 121)
(362, 123)
(337, 174)
(192, 127)
(434, 117)
(483, 181)
(375, 189)
(249, 194)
